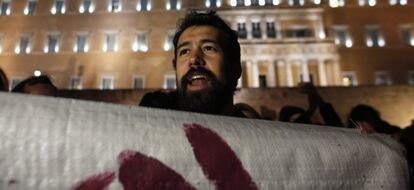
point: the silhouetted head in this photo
(41, 85)
(294, 114)
(365, 113)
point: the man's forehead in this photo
(199, 32)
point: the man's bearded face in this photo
(210, 99)
(202, 86)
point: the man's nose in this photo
(196, 58)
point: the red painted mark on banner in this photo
(96, 182)
(138, 171)
(218, 161)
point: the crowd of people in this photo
(207, 65)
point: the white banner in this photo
(52, 143)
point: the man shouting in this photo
(207, 66)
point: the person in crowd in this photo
(41, 85)
(4, 83)
(294, 114)
(369, 120)
(207, 66)
(316, 102)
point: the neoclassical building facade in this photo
(285, 47)
(123, 44)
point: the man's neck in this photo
(228, 109)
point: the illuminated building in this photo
(120, 44)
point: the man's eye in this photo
(210, 49)
(183, 52)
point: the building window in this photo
(86, 6)
(349, 79)
(336, 3)
(407, 35)
(367, 2)
(107, 83)
(298, 32)
(75, 83)
(111, 42)
(262, 2)
(256, 31)
(256, 2)
(241, 30)
(383, 78)
(270, 30)
(114, 6)
(168, 44)
(398, 2)
(139, 82)
(234, 3)
(169, 82)
(58, 7)
(144, 5)
(173, 4)
(81, 45)
(140, 42)
(52, 45)
(317, 2)
(213, 3)
(296, 2)
(24, 44)
(342, 37)
(30, 7)
(5, 7)
(374, 37)
(14, 82)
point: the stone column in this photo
(263, 28)
(249, 28)
(322, 73)
(255, 75)
(271, 75)
(289, 74)
(305, 71)
(278, 29)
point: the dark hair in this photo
(43, 79)
(227, 40)
(363, 112)
(370, 115)
(287, 113)
(4, 83)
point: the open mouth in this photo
(196, 78)
(197, 82)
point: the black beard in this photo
(211, 100)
